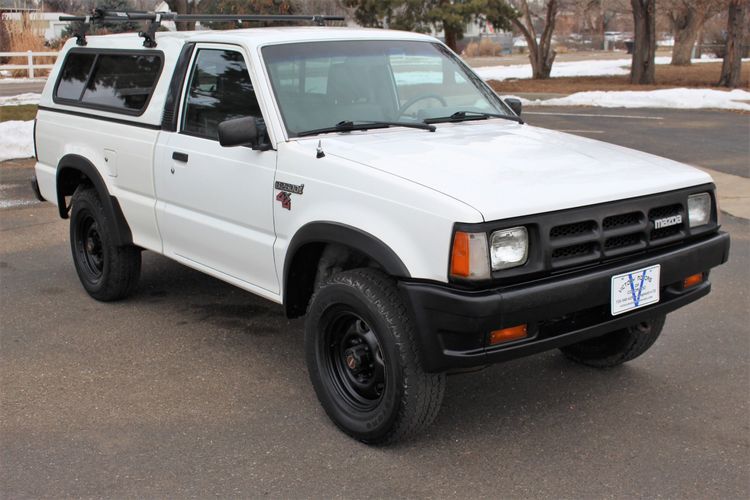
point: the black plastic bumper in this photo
(453, 325)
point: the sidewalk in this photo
(733, 191)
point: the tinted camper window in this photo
(119, 82)
(74, 75)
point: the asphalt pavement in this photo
(21, 86)
(718, 140)
(193, 388)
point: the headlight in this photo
(699, 209)
(509, 248)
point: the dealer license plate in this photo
(635, 289)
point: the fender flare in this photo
(112, 211)
(334, 232)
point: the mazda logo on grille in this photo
(668, 221)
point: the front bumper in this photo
(453, 325)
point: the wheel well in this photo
(68, 180)
(314, 263)
(73, 171)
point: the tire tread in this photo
(124, 262)
(423, 392)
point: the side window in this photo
(122, 81)
(74, 75)
(117, 82)
(219, 89)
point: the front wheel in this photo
(363, 361)
(618, 347)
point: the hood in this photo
(505, 169)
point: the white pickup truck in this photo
(370, 180)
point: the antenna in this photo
(156, 18)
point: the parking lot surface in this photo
(718, 140)
(192, 388)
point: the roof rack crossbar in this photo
(156, 18)
(129, 16)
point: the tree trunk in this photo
(182, 7)
(541, 64)
(642, 71)
(699, 44)
(686, 29)
(541, 54)
(451, 38)
(731, 69)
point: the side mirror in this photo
(514, 104)
(238, 132)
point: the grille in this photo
(627, 240)
(617, 230)
(573, 251)
(623, 220)
(666, 232)
(574, 229)
(668, 211)
(670, 232)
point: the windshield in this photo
(320, 84)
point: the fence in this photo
(30, 67)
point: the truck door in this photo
(214, 204)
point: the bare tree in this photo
(642, 70)
(687, 18)
(183, 7)
(731, 70)
(541, 53)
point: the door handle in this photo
(183, 157)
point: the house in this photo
(46, 23)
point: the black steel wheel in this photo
(354, 359)
(363, 362)
(88, 247)
(107, 271)
(618, 347)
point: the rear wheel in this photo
(618, 347)
(363, 360)
(107, 272)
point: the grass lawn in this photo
(24, 112)
(703, 75)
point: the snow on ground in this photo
(595, 67)
(664, 98)
(16, 139)
(17, 100)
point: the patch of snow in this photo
(19, 99)
(666, 98)
(16, 139)
(594, 67)
(16, 203)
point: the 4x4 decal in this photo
(285, 196)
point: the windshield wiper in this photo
(348, 126)
(461, 116)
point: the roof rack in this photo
(154, 20)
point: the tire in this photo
(613, 349)
(107, 272)
(363, 361)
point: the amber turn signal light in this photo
(695, 279)
(460, 255)
(508, 334)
